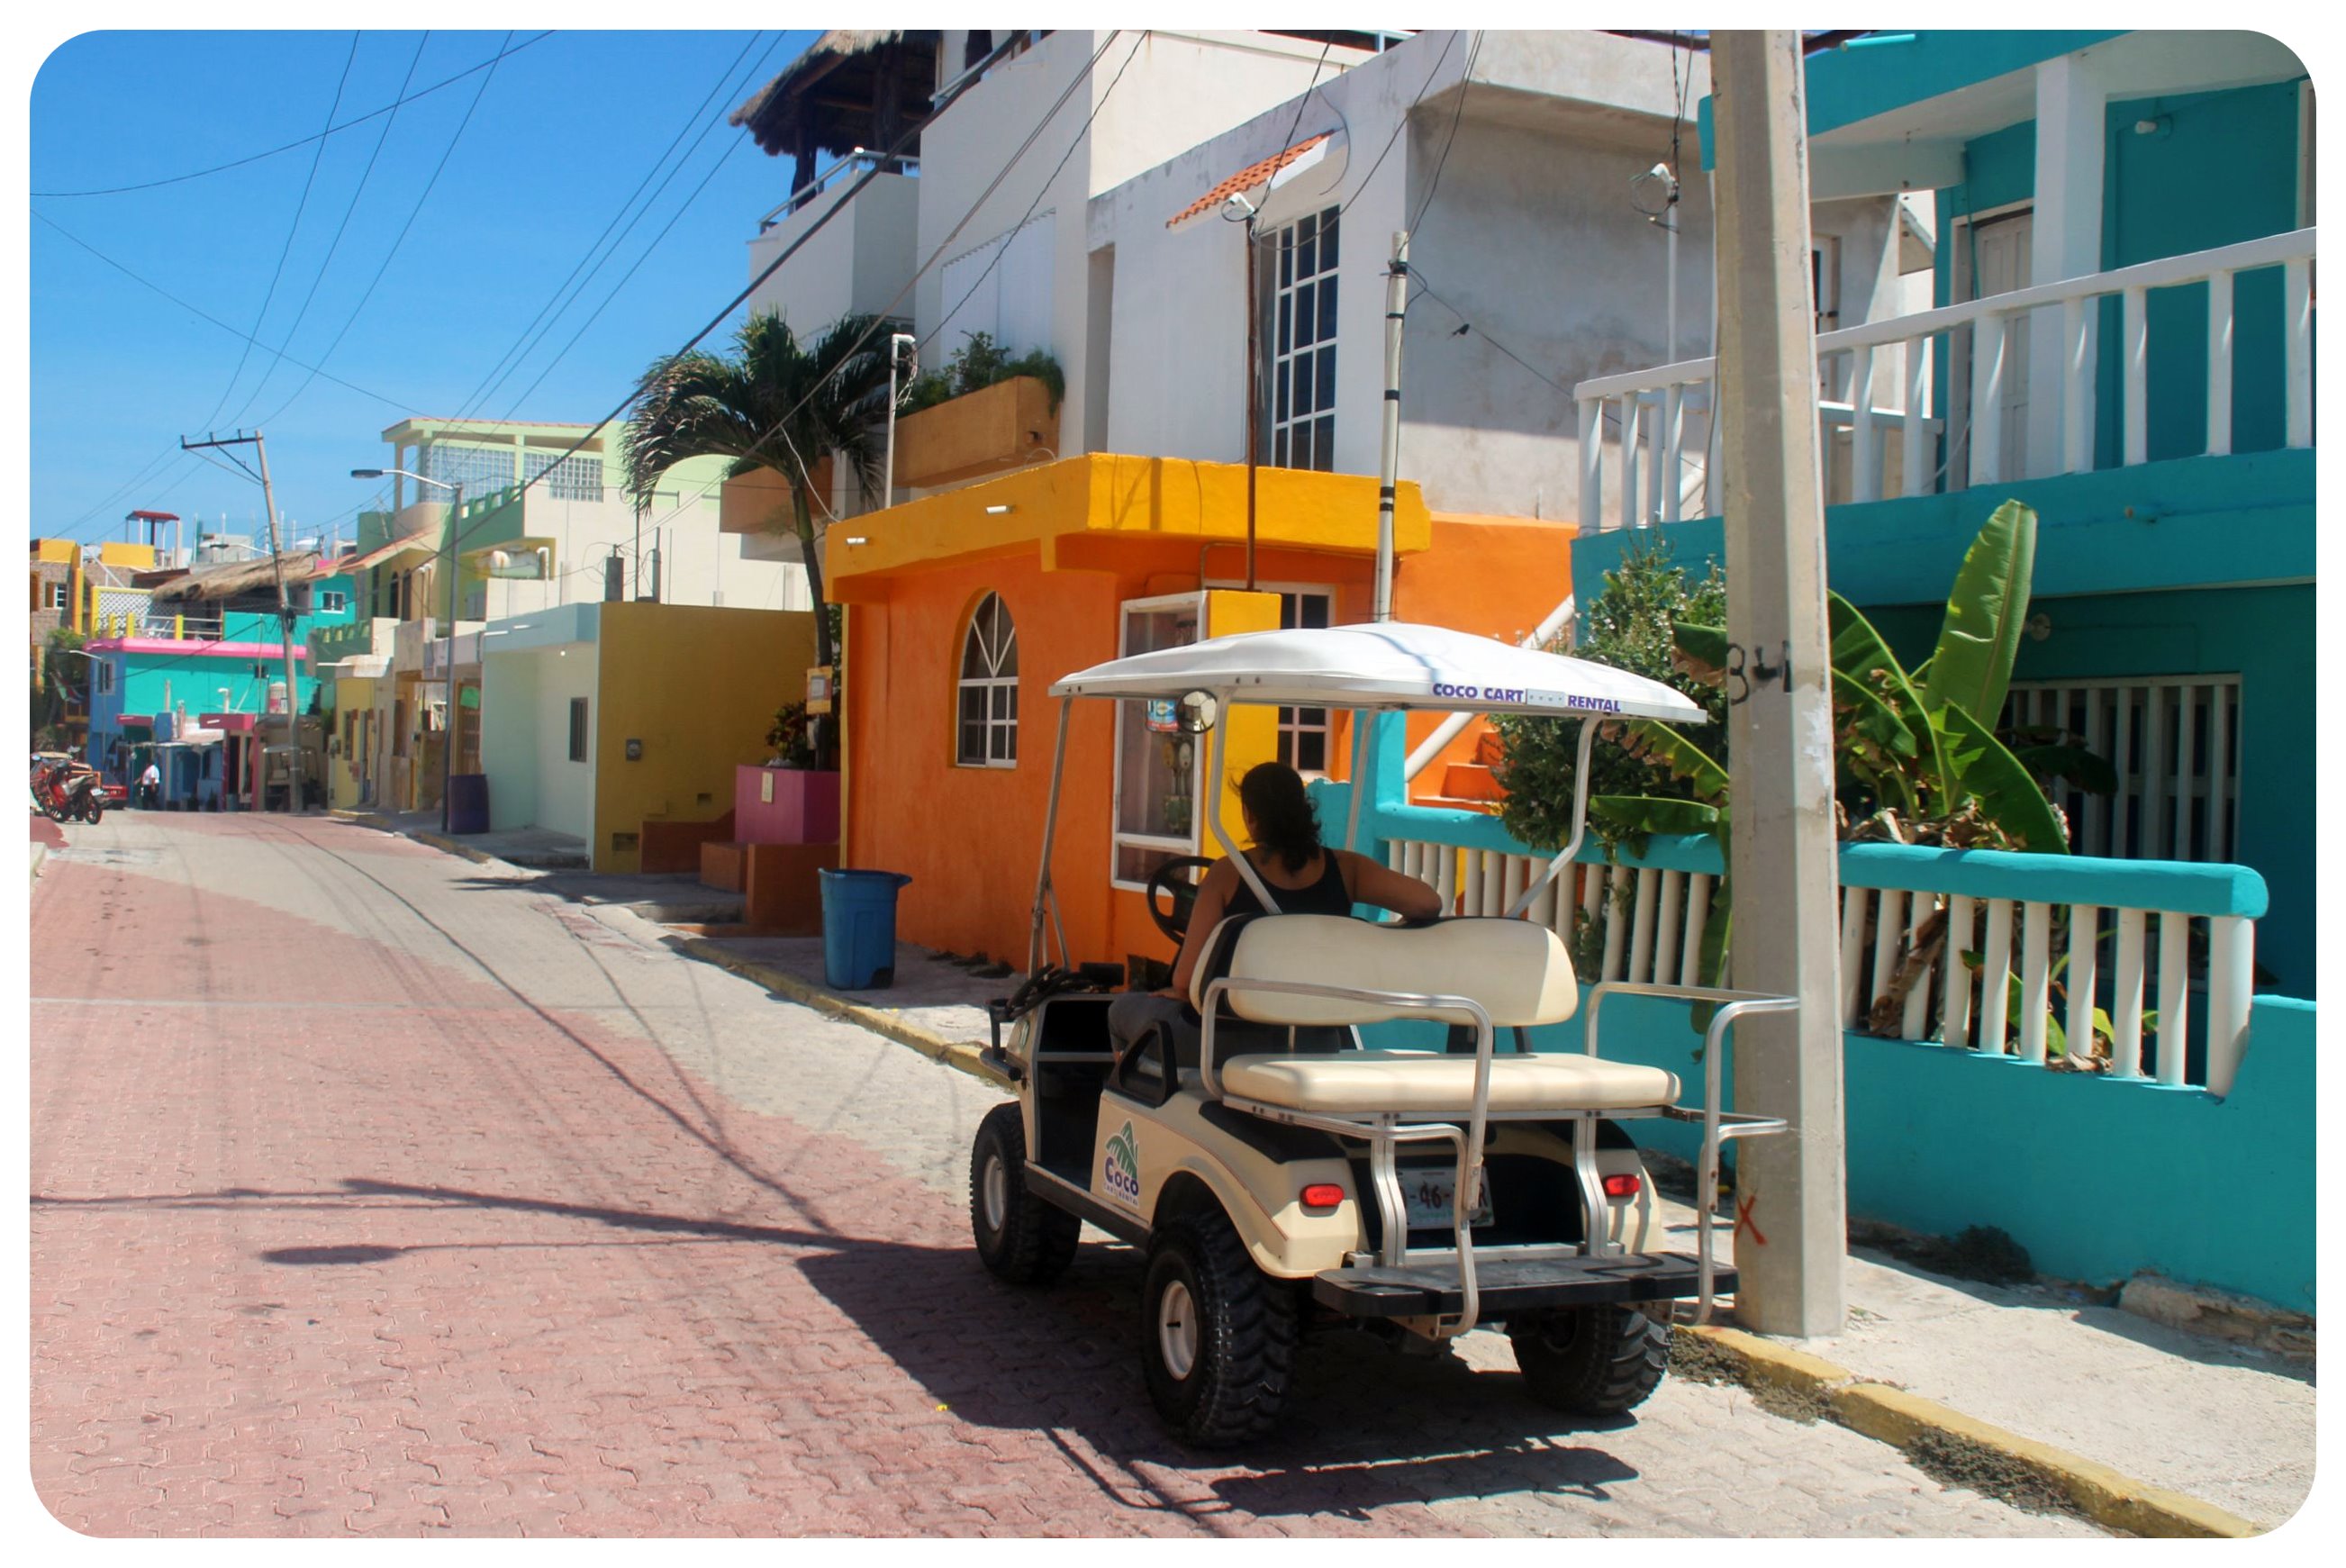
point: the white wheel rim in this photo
(1177, 1329)
(998, 1193)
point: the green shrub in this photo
(977, 364)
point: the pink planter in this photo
(785, 806)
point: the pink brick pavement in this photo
(309, 1267)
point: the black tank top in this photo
(1326, 896)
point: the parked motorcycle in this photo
(67, 791)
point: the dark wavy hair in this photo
(1285, 824)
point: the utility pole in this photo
(903, 354)
(1790, 1231)
(1389, 440)
(285, 605)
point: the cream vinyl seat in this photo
(1517, 971)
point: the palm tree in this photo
(772, 402)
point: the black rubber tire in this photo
(1034, 1242)
(1247, 1328)
(92, 813)
(1594, 1360)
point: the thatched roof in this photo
(230, 578)
(832, 95)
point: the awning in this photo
(1320, 156)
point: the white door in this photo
(1993, 259)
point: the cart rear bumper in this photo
(1514, 1285)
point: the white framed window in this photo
(987, 730)
(333, 601)
(1159, 771)
(1303, 382)
(105, 676)
(58, 594)
(1305, 733)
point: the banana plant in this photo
(1919, 747)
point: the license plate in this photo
(1431, 1198)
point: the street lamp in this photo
(448, 676)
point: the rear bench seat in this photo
(1518, 972)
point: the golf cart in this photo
(1289, 1177)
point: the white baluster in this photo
(1616, 930)
(1495, 875)
(1470, 892)
(2035, 979)
(1852, 951)
(2219, 364)
(2096, 807)
(1633, 412)
(2077, 385)
(2154, 770)
(1445, 877)
(1958, 1011)
(1996, 978)
(1655, 441)
(1591, 893)
(1915, 429)
(1698, 915)
(1987, 400)
(1669, 920)
(2135, 361)
(2186, 743)
(1592, 461)
(2231, 982)
(1916, 1023)
(1641, 933)
(2126, 998)
(2220, 697)
(1397, 855)
(2174, 992)
(2085, 932)
(1546, 904)
(1517, 878)
(1889, 928)
(1669, 472)
(2122, 805)
(2297, 339)
(1865, 446)
(1714, 460)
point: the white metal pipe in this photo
(1389, 437)
(1564, 857)
(1050, 833)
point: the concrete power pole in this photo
(1790, 1231)
(284, 610)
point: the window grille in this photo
(577, 729)
(479, 469)
(1303, 732)
(2174, 742)
(578, 477)
(988, 721)
(1303, 345)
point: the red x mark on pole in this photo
(1743, 1217)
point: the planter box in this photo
(781, 887)
(988, 432)
(758, 502)
(785, 806)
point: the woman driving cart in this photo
(1284, 834)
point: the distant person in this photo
(150, 787)
(1306, 878)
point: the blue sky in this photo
(563, 131)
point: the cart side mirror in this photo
(1197, 712)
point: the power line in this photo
(199, 311)
(524, 342)
(301, 205)
(1401, 122)
(334, 245)
(731, 148)
(1466, 81)
(305, 141)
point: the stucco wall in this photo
(856, 262)
(525, 698)
(699, 687)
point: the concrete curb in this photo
(956, 1054)
(430, 840)
(1913, 1424)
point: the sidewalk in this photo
(535, 847)
(2028, 1390)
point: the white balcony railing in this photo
(848, 163)
(1656, 476)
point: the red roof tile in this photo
(1247, 179)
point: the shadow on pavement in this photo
(1366, 1426)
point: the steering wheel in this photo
(1183, 894)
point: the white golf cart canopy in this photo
(1395, 665)
(1383, 667)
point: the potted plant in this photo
(792, 739)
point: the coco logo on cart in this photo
(1120, 1167)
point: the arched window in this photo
(989, 688)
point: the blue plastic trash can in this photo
(468, 803)
(859, 929)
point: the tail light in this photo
(1622, 1185)
(1323, 1194)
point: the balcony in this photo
(859, 263)
(1942, 401)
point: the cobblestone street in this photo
(374, 1193)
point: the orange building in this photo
(963, 607)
